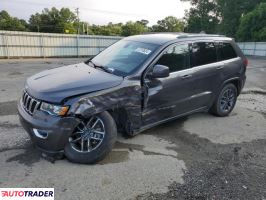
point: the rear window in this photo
(226, 51)
(203, 53)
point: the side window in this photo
(176, 58)
(226, 51)
(203, 53)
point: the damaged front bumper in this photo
(49, 133)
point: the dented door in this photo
(169, 97)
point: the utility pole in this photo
(77, 11)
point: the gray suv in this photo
(135, 84)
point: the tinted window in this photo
(226, 51)
(203, 53)
(176, 58)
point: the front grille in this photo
(29, 103)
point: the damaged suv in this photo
(137, 83)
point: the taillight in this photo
(245, 61)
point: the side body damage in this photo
(124, 102)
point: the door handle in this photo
(187, 76)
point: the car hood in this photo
(57, 84)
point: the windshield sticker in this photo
(142, 50)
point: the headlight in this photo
(54, 109)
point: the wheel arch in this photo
(125, 121)
(236, 81)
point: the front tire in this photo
(92, 139)
(225, 101)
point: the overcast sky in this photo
(102, 11)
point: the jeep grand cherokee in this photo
(137, 83)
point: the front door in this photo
(169, 97)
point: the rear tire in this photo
(225, 101)
(75, 152)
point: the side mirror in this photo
(160, 71)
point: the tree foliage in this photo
(110, 29)
(202, 16)
(65, 21)
(253, 25)
(218, 16)
(231, 12)
(242, 19)
(169, 24)
(133, 28)
(11, 23)
(54, 21)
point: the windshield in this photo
(124, 57)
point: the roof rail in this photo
(150, 33)
(198, 35)
(180, 35)
(185, 35)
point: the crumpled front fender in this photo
(126, 96)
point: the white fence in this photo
(253, 48)
(14, 44)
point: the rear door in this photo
(206, 73)
(233, 64)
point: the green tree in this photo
(11, 23)
(230, 13)
(218, 16)
(133, 28)
(54, 21)
(110, 29)
(169, 24)
(202, 16)
(144, 22)
(253, 25)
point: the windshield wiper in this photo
(90, 62)
(106, 69)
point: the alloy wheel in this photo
(88, 135)
(227, 100)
